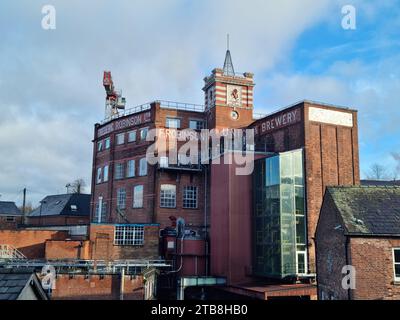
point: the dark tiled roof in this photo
(380, 182)
(62, 204)
(368, 210)
(9, 208)
(13, 282)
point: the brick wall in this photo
(10, 225)
(67, 249)
(330, 253)
(331, 158)
(103, 248)
(373, 261)
(30, 242)
(57, 220)
(96, 287)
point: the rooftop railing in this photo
(180, 106)
(163, 104)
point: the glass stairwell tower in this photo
(279, 222)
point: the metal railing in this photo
(163, 104)
(180, 106)
(91, 266)
(126, 112)
(8, 252)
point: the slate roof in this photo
(380, 182)
(9, 208)
(368, 210)
(60, 205)
(13, 282)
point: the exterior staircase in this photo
(9, 252)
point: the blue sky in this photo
(50, 80)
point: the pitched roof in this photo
(9, 208)
(64, 205)
(368, 210)
(14, 281)
(380, 182)
(228, 65)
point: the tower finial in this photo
(228, 65)
(227, 41)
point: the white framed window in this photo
(10, 219)
(121, 198)
(119, 171)
(396, 263)
(196, 124)
(100, 211)
(129, 235)
(143, 133)
(190, 197)
(105, 173)
(99, 146)
(143, 167)
(174, 123)
(120, 138)
(98, 176)
(163, 162)
(132, 136)
(74, 207)
(168, 196)
(130, 168)
(107, 143)
(137, 196)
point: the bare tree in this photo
(77, 186)
(377, 172)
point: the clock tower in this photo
(228, 97)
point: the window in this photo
(105, 173)
(168, 196)
(120, 138)
(190, 197)
(100, 211)
(98, 177)
(107, 143)
(143, 167)
(137, 197)
(119, 171)
(163, 162)
(132, 136)
(396, 263)
(10, 219)
(74, 207)
(121, 198)
(196, 124)
(99, 146)
(130, 169)
(129, 235)
(173, 123)
(143, 133)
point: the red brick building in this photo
(216, 222)
(359, 227)
(61, 210)
(10, 215)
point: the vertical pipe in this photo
(121, 293)
(23, 206)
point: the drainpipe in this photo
(347, 263)
(121, 293)
(205, 220)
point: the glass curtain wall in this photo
(279, 217)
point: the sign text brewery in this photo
(125, 123)
(278, 121)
